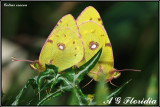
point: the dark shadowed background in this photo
(131, 26)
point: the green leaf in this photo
(84, 69)
(82, 98)
(54, 94)
(69, 74)
(73, 99)
(50, 73)
(57, 93)
(31, 82)
(118, 90)
(68, 83)
(101, 91)
(152, 88)
(67, 80)
(65, 85)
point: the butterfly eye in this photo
(61, 46)
(34, 66)
(93, 45)
(116, 74)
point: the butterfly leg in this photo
(50, 89)
(94, 73)
(112, 83)
(47, 92)
(88, 83)
(38, 72)
(46, 89)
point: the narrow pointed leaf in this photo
(84, 69)
(50, 72)
(31, 82)
(54, 94)
(118, 90)
(101, 91)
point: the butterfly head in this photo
(116, 74)
(34, 65)
(37, 66)
(113, 75)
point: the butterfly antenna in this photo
(19, 59)
(129, 70)
(88, 83)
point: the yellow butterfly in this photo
(94, 37)
(63, 47)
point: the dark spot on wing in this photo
(50, 41)
(93, 45)
(61, 46)
(107, 44)
(50, 62)
(99, 19)
(90, 19)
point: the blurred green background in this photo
(132, 28)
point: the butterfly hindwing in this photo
(91, 20)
